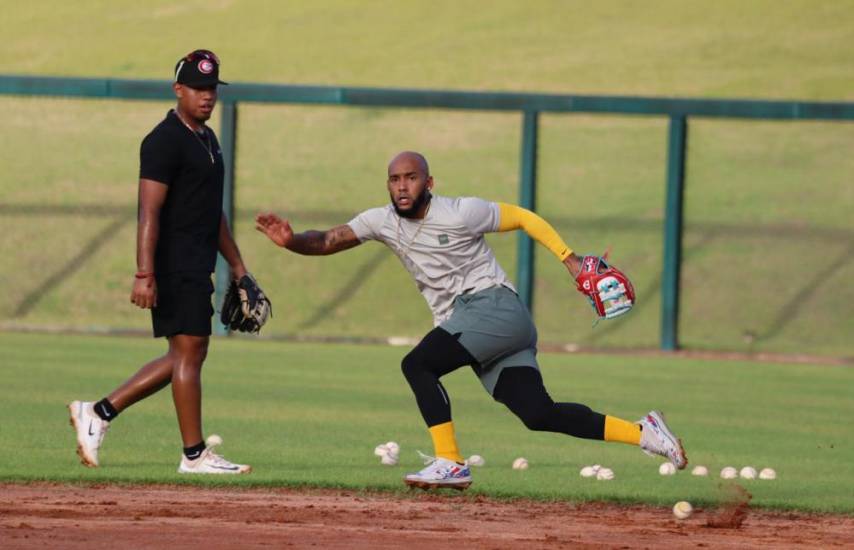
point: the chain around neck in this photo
(417, 230)
(206, 145)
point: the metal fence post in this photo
(228, 143)
(527, 199)
(677, 139)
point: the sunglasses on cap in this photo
(198, 68)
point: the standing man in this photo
(181, 226)
(478, 318)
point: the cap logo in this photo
(206, 66)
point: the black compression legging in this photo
(436, 355)
(520, 389)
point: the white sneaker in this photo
(90, 431)
(440, 472)
(657, 439)
(211, 463)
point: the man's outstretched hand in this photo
(277, 230)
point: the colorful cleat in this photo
(657, 439)
(90, 431)
(440, 473)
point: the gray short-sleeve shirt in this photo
(445, 252)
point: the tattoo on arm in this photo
(319, 243)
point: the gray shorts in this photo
(496, 328)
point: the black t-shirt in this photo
(190, 216)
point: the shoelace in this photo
(426, 458)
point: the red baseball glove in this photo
(609, 290)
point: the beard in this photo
(419, 201)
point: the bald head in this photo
(408, 159)
(409, 184)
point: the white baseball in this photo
(389, 459)
(682, 509)
(476, 460)
(605, 474)
(213, 440)
(381, 450)
(520, 464)
(588, 471)
(729, 473)
(767, 473)
(748, 472)
(667, 469)
(700, 471)
(393, 447)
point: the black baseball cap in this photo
(198, 69)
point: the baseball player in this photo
(478, 318)
(181, 226)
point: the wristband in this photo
(144, 274)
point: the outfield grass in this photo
(766, 256)
(305, 414)
(764, 48)
(768, 237)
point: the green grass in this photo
(729, 48)
(305, 414)
(768, 237)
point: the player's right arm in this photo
(152, 194)
(309, 243)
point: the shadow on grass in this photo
(122, 215)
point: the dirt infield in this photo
(72, 517)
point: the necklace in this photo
(206, 144)
(417, 231)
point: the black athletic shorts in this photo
(183, 304)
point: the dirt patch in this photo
(733, 513)
(86, 517)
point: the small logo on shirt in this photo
(443, 239)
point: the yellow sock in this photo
(445, 442)
(617, 429)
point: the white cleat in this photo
(211, 463)
(440, 472)
(657, 439)
(90, 431)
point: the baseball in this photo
(667, 469)
(588, 471)
(767, 473)
(213, 440)
(381, 450)
(393, 447)
(476, 460)
(682, 509)
(700, 471)
(748, 472)
(389, 459)
(729, 473)
(520, 464)
(605, 474)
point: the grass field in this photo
(311, 415)
(768, 237)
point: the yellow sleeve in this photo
(514, 217)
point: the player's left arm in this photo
(513, 217)
(228, 249)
